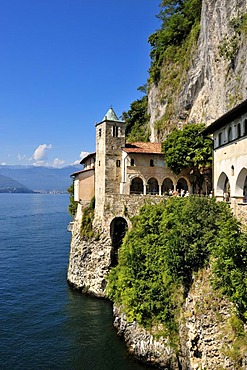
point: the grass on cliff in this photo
(86, 230)
(167, 244)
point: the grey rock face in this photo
(214, 83)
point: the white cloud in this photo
(40, 163)
(22, 157)
(3, 164)
(82, 155)
(58, 162)
(40, 153)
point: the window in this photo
(238, 130)
(245, 127)
(220, 138)
(99, 163)
(151, 163)
(229, 134)
(115, 131)
(100, 132)
(118, 163)
(132, 161)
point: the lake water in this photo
(44, 324)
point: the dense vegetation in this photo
(168, 243)
(188, 149)
(72, 204)
(86, 230)
(179, 18)
(137, 120)
(172, 46)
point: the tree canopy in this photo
(137, 120)
(187, 148)
(178, 18)
(167, 244)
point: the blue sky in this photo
(63, 63)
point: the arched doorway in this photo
(136, 186)
(241, 185)
(166, 186)
(245, 191)
(227, 190)
(222, 185)
(118, 230)
(153, 186)
(182, 184)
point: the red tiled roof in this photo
(140, 147)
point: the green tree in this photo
(137, 120)
(178, 18)
(188, 149)
(72, 205)
(167, 244)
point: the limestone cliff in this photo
(207, 334)
(217, 78)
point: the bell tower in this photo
(110, 139)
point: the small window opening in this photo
(99, 132)
(132, 162)
(238, 130)
(220, 138)
(229, 134)
(99, 163)
(245, 127)
(118, 163)
(151, 163)
(115, 131)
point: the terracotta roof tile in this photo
(140, 147)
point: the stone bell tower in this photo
(110, 139)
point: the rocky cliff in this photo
(216, 80)
(208, 331)
(207, 334)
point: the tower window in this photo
(100, 132)
(115, 131)
(132, 162)
(151, 163)
(118, 163)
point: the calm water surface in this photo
(44, 323)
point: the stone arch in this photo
(166, 185)
(118, 229)
(152, 186)
(223, 188)
(241, 184)
(136, 186)
(182, 184)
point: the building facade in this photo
(229, 134)
(126, 169)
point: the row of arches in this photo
(232, 187)
(153, 187)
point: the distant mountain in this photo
(9, 185)
(43, 179)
